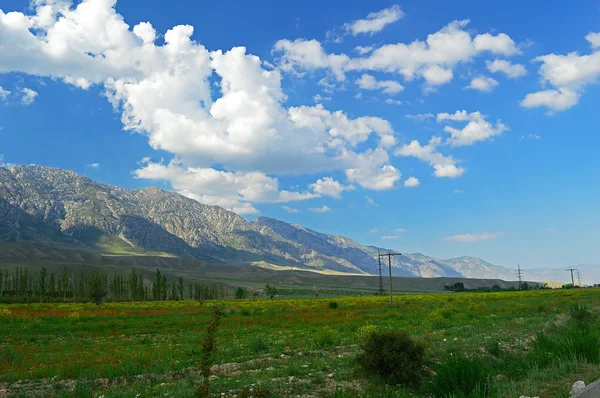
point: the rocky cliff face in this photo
(60, 207)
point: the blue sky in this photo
(449, 128)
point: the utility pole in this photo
(579, 277)
(572, 278)
(381, 291)
(519, 275)
(389, 256)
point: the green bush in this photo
(333, 305)
(459, 376)
(582, 314)
(258, 345)
(365, 332)
(394, 357)
(325, 338)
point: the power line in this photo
(572, 278)
(389, 256)
(381, 291)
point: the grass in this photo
(291, 347)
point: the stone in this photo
(578, 387)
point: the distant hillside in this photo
(62, 209)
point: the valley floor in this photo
(288, 347)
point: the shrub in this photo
(394, 357)
(207, 348)
(325, 338)
(582, 314)
(459, 376)
(258, 345)
(333, 305)
(365, 332)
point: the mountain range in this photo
(61, 208)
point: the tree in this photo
(270, 291)
(98, 289)
(240, 293)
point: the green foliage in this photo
(582, 314)
(207, 348)
(258, 345)
(97, 288)
(460, 376)
(365, 332)
(270, 291)
(394, 357)
(333, 305)
(325, 338)
(240, 293)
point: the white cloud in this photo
(469, 238)
(421, 116)
(594, 39)
(28, 96)
(93, 165)
(511, 70)
(232, 190)
(390, 237)
(400, 229)
(412, 182)
(458, 191)
(320, 98)
(568, 74)
(375, 21)
(393, 102)
(483, 83)
(4, 93)
(432, 59)
(323, 209)
(368, 82)
(499, 44)
(373, 230)
(327, 186)
(371, 202)
(290, 209)
(362, 50)
(444, 166)
(556, 100)
(373, 171)
(477, 128)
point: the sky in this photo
(446, 128)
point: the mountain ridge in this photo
(60, 207)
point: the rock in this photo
(293, 379)
(578, 387)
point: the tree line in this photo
(22, 285)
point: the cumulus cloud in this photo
(511, 70)
(483, 83)
(375, 21)
(444, 166)
(594, 39)
(28, 96)
(232, 190)
(476, 129)
(290, 210)
(93, 165)
(393, 101)
(469, 238)
(327, 186)
(373, 171)
(323, 209)
(568, 75)
(390, 237)
(162, 89)
(4, 93)
(412, 182)
(368, 82)
(432, 60)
